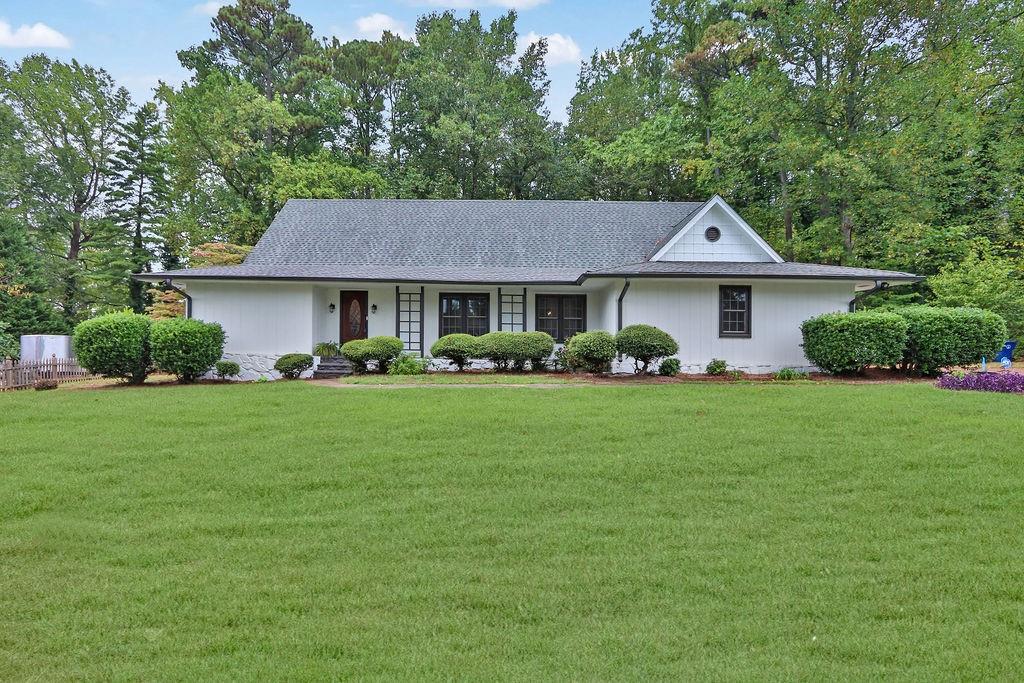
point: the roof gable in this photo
(737, 241)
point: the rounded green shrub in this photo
(644, 344)
(503, 349)
(849, 342)
(537, 348)
(114, 345)
(457, 349)
(356, 352)
(227, 368)
(291, 365)
(590, 351)
(186, 348)
(940, 338)
(717, 366)
(669, 367)
(383, 350)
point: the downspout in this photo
(622, 295)
(879, 286)
(169, 283)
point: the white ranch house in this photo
(335, 270)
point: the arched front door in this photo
(353, 316)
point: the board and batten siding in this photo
(688, 310)
(734, 244)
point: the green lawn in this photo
(286, 530)
(461, 378)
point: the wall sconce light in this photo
(330, 308)
(373, 308)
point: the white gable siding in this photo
(734, 245)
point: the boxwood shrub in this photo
(383, 350)
(357, 352)
(457, 349)
(227, 368)
(114, 345)
(537, 348)
(503, 349)
(849, 342)
(186, 348)
(940, 338)
(590, 351)
(291, 365)
(645, 344)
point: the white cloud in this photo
(208, 9)
(36, 35)
(561, 49)
(468, 4)
(373, 26)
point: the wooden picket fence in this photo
(17, 375)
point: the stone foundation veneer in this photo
(256, 365)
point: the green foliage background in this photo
(869, 133)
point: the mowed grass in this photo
(460, 378)
(291, 531)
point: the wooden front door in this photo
(353, 316)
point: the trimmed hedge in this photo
(383, 350)
(356, 352)
(114, 345)
(590, 351)
(227, 368)
(537, 348)
(645, 344)
(291, 365)
(457, 349)
(186, 348)
(503, 349)
(940, 338)
(849, 342)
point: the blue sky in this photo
(136, 40)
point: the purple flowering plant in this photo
(1005, 382)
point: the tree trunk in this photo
(787, 213)
(846, 225)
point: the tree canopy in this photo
(873, 133)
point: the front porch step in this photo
(330, 368)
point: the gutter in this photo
(880, 286)
(622, 295)
(169, 283)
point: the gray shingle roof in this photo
(484, 241)
(466, 233)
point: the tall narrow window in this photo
(512, 312)
(561, 315)
(465, 313)
(733, 311)
(410, 319)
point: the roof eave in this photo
(759, 276)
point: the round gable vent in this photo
(712, 234)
